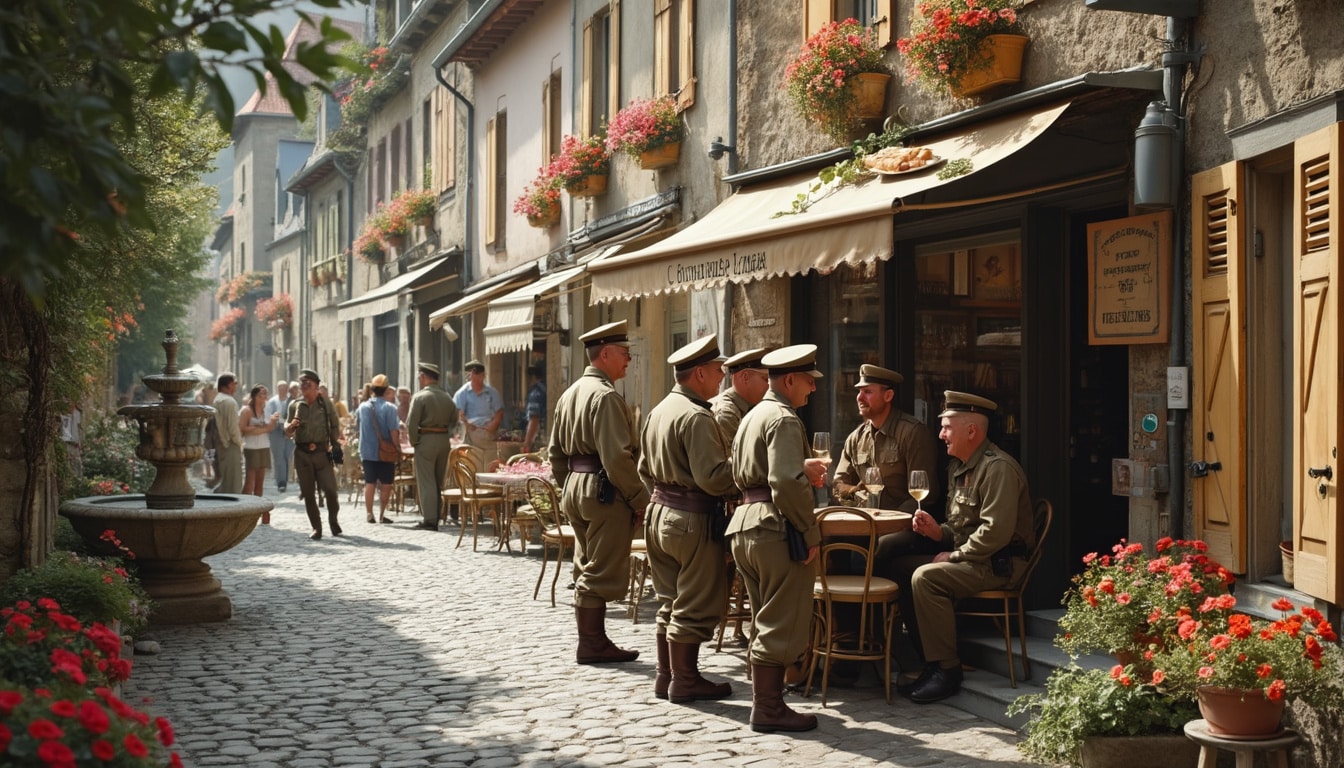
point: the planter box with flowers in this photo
(226, 327)
(582, 165)
(368, 245)
(963, 47)
(417, 205)
(839, 78)
(649, 130)
(243, 286)
(1171, 624)
(390, 224)
(276, 313)
(540, 201)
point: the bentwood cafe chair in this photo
(555, 529)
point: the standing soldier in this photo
(429, 426)
(592, 453)
(893, 441)
(771, 466)
(750, 381)
(684, 457)
(315, 428)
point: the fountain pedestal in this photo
(169, 528)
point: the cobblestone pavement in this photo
(388, 647)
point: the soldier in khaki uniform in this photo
(772, 467)
(592, 453)
(889, 439)
(429, 425)
(684, 458)
(316, 429)
(750, 381)
(983, 545)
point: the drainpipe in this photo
(349, 236)
(729, 289)
(1174, 61)
(470, 235)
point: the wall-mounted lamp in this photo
(717, 149)
(1155, 145)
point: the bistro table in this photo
(887, 521)
(514, 489)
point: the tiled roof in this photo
(270, 102)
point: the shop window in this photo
(968, 327)
(854, 300)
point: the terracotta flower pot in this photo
(547, 219)
(1004, 53)
(395, 241)
(1233, 713)
(870, 91)
(660, 157)
(588, 186)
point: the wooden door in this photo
(1317, 186)
(1218, 416)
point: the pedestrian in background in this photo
(429, 426)
(255, 427)
(771, 465)
(281, 447)
(377, 419)
(536, 409)
(229, 439)
(684, 458)
(289, 441)
(592, 453)
(210, 439)
(481, 409)
(403, 404)
(316, 430)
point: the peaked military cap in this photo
(964, 402)
(746, 360)
(475, 364)
(872, 374)
(703, 350)
(311, 375)
(799, 358)
(429, 369)
(611, 333)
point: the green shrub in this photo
(88, 588)
(108, 453)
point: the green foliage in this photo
(850, 170)
(1079, 703)
(109, 452)
(954, 168)
(378, 77)
(88, 588)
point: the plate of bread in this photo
(895, 161)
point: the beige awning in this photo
(752, 236)
(509, 327)
(386, 297)
(481, 293)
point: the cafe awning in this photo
(509, 327)
(385, 297)
(482, 292)
(753, 235)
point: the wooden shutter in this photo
(491, 215)
(686, 54)
(549, 102)
(884, 22)
(1219, 328)
(663, 42)
(586, 84)
(614, 103)
(1317, 527)
(817, 14)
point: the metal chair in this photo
(875, 597)
(555, 529)
(1002, 605)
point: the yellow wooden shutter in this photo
(491, 216)
(817, 14)
(1219, 324)
(586, 84)
(686, 54)
(614, 102)
(1317, 528)
(884, 22)
(663, 42)
(548, 102)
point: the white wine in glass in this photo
(872, 480)
(918, 487)
(821, 446)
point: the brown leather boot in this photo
(687, 684)
(315, 520)
(594, 645)
(664, 677)
(769, 713)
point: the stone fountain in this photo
(170, 528)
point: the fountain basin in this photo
(170, 546)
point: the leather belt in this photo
(756, 493)
(685, 499)
(312, 447)
(434, 430)
(585, 462)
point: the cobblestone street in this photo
(389, 647)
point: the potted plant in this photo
(963, 47)
(79, 726)
(224, 329)
(368, 246)
(276, 313)
(391, 224)
(838, 78)
(648, 129)
(582, 165)
(540, 201)
(417, 205)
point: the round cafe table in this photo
(886, 520)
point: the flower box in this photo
(645, 126)
(820, 79)
(946, 52)
(588, 186)
(544, 220)
(1004, 54)
(661, 157)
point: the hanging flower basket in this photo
(820, 78)
(544, 220)
(588, 186)
(662, 157)
(870, 94)
(1002, 55)
(946, 51)
(395, 241)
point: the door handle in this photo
(1327, 472)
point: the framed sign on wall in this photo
(1129, 280)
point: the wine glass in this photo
(918, 487)
(872, 480)
(821, 446)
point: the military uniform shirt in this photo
(430, 407)
(729, 406)
(899, 445)
(681, 445)
(769, 450)
(988, 507)
(317, 422)
(591, 418)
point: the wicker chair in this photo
(555, 529)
